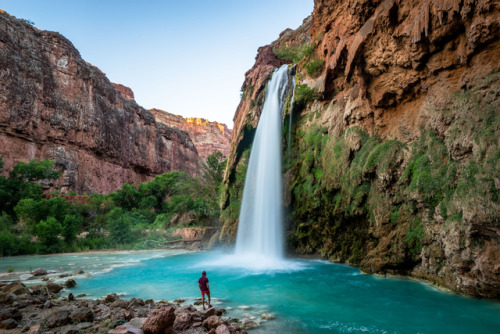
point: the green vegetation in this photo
(294, 53)
(314, 66)
(303, 96)
(131, 217)
(304, 54)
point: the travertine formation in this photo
(207, 136)
(56, 106)
(394, 164)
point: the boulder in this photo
(267, 316)
(8, 324)
(195, 246)
(70, 283)
(84, 325)
(247, 323)
(119, 303)
(39, 272)
(64, 275)
(210, 312)
(79, 272)
(83, 314)
(111, 298)
(6, 297)
(16, 288)
(214, 241)
(10, 313)
(54, 287)
(159, 320)
(137, 322)
(127, 314)
(47, 304)
(136, 302)
(212, 322)
(71, 297)
(58, 318)
(222, 329)
(126, 329)
(26, 277)
(182, 321)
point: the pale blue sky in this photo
(187, 57)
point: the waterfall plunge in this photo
(260, 228)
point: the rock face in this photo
(207, 136)
(126, 92)
(395, 129)
(56, 106)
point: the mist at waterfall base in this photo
(323, 297)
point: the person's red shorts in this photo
(203, 293)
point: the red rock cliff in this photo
(394, 163)
(207, 136)
(55, 105)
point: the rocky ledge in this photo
(39, 309)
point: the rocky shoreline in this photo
(41, 309)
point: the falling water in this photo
(289, 142)
(260, 229)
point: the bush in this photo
(48, 231)
(294, 53)
(303, 96)
(314, 66)
(119, 226)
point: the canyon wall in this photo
(56, 106)
(395, 134)
(207, 136)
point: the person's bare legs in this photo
(209, 305)
(203, 300)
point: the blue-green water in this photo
(306, 296)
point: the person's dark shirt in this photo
(202, 282)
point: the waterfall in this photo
(289, 142)
(260, 228)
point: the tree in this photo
(70, 227)
(119, 226)
(22, 182)
(35, 171)
(48, 231)
(127, 197)
(212, 175)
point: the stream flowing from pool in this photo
(310, 296)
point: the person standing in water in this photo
(203, 284)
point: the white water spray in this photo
(260, 228)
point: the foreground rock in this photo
(37, 309)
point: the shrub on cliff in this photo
(314, 66)
(294, 53)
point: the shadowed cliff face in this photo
(394, 140)
(207, 136)
(55, 105)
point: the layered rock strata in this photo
(56, 106)
(394, 164)
(207, 136)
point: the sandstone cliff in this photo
(395, 139)
(55, 105)
(207, 136)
